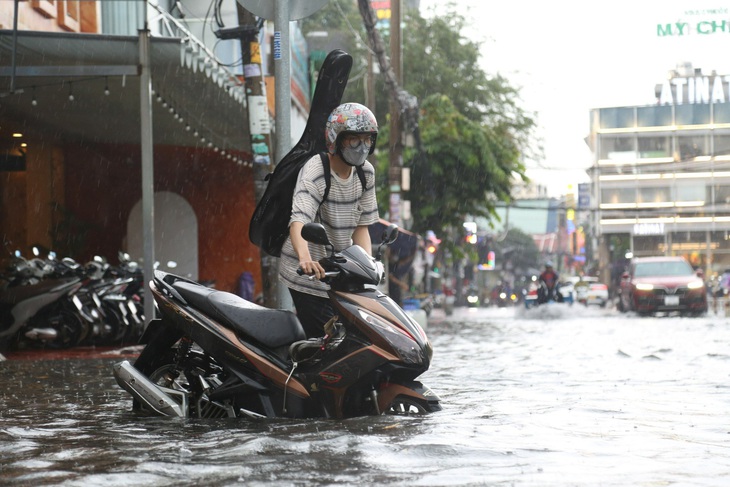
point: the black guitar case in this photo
(269, 226)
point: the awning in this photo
(50, 67)
(84, 87)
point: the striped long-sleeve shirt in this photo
(347, 206)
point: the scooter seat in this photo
(270, 327)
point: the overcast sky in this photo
(568, 57)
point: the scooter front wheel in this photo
(407, 406)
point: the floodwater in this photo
(565, 396)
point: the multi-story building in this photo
(661, 174)
(71, 137)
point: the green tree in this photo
(472, 131)
(464, 163)
(439, 59)
(520, 249)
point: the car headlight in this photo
(695, 284)
(644, 287)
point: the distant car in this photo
(566, 287)
(589, 290)
(654, 284)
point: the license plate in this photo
(671, 300)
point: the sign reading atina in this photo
(695, 89)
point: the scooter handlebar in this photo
(313, 277)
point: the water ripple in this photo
(565, 398)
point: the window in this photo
(658, 116)
(694, 114)
(722, 144)
(659, 194)
(676, 268)
(648, 244)
(722, 194)
(613, 196)
(618, 147)
(690, 191)
(722, 239)
(691, 146)
(722, 112)
(613, 118)
(652, 146)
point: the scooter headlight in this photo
(400, 341)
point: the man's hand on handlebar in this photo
(311, 268)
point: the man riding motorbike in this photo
(548, 289)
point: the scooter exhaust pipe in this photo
(42, 334)
(156, 398)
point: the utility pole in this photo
(259, 125)
(282, 12)
(148, 177)
(395, 145)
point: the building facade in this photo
(661, 174)
(70, 157)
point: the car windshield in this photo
(678, 268)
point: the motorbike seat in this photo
(270, 327)
(14, 295)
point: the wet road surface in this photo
(559, 396)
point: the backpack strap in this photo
(361, 174)
(328, 175)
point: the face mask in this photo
(356, 156)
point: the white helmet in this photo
(347, 119)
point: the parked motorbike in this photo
(214, 354)
(44, 313)
(46, 302)
(502, 296)
(112, 292)
(472, 297)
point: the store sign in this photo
(702, 27)
(649, 229)
(697, 21)
(584, 196)
(695, 89)
(381, 9)
(382, 12)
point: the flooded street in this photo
(569, 396)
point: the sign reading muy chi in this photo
(699, 22)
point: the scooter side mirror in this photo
(315, 233)
(390, 234)
(388, 237)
